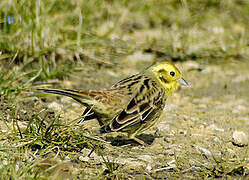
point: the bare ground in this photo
(203, 130)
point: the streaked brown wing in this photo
(129, 84)
(107, 97)
(126, 118)
(104, 105)
(144, 103)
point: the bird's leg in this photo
(139, 141)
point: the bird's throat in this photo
(170, 87)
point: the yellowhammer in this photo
(131, 105)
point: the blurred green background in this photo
(49, 39)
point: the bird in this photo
(133, 104)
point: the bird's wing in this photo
(146, 100)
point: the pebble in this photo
(213, 127)
(170, 166)
(171, 162)
(191, 65)
(67, 84)
(204, 151)
(230, 151)
(222, 106)
(113, 74)
(204, 106)
(241, 78)
(243, 118)
(84, 158)
(157, 145)
(236, 111)
(55, 106)
(67, 158)
(207, 70)
(139, 56)
(146, 158)
(5, 162)
(204, 100)
(240, 108)
(182, 132)
(170, 107)
(17, 167)
(163, 129)
(240, 138)
(149, 167)
(217, 140)
(131, 162)
(172, 116)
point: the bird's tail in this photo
(76, 95)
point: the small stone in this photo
(236, 111)
(131, 162)
(170, 166)
(158, 145)
(163, 129)
(230, 151)
(171, 116)
(113, 74)
(213, 127)
(241, 101)
(207, 70)
(170, 146)
(243, 118)
(139, 55)
(67, 158)
(149, 167)
(146, 158)
(240, 138)
(204, 151)
(184, 132)
(240, 108)
(170, 107)
(171, 152)
(191, 65)
(67, 84)
(204, 100)
(8, 117)
(55, 106)
(17, 167)
(222, 106)
(217, 140)
(23, 111)
(5, 162)
(171, 162)
(204, 106)
(241, 78)
(84, 158)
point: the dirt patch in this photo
(195, 137)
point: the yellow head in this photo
(168, 75)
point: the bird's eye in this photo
(172, 73)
